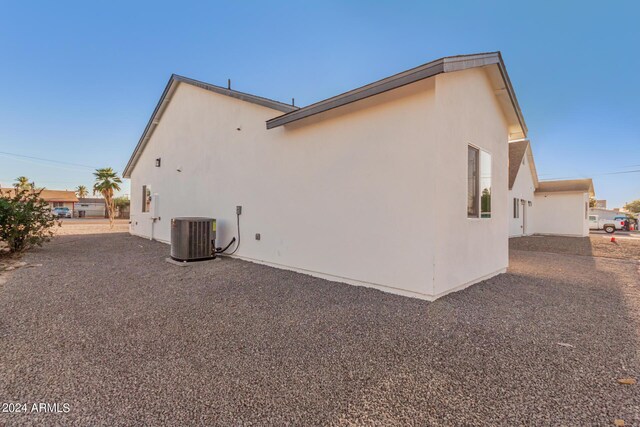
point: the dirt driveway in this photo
(598, 245)
(106, 326)
(76, 226)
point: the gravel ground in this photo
(64, 227)
(596, 245)
(107, 326)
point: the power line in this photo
(48, 160)
(617, 173)
(590, 175)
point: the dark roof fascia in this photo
(141, 142)
(516, 147)
(512, 94)
(175, 78)
(93, 200)
(430, 69)
(384, 85)
(265, 102)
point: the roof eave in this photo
(430, 69)
(411, 76)
(170, 88)
(588, 189)
(532, 166)
(148, 130)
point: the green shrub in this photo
(25, 219)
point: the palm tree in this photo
(82, 192)
(107, 182)
(22, 182)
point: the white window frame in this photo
(479, 201)
(146, 190)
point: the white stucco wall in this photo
(561, 214)
(468, 250)
(356, 195)
(523, 189)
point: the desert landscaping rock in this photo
(125, 338)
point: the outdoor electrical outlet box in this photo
(238, 210)
(257, 236)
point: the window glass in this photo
(146, 198)
(472, 181)
(485, 184)
(516, 208)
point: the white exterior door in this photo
(523, 216)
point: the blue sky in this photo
(79, 80)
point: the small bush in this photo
(25, 219)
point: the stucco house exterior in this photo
(401, 185)
(558, 207)
(60, 198)
(562, 207)
(55, 198)
(523, 181)
(90, 207)
(606, 213)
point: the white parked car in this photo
(62, 212)
(606, 224)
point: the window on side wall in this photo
(516, 208)
(146, 198)
(479, 183)
(473, 181)
(485, 184)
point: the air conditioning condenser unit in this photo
(193, 238)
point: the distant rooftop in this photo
(567, 185)
(50, 195)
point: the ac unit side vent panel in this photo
(192, 238)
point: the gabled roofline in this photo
(265, 102)
(528, 152)
(532, 166)
(430, 69)
(166, 97)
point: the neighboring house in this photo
(55, 198)
(544, 207)
(601, 204)
(607, 213)
(562, 207)
(400, 185)
(60, 198)
(523, 181)
(90, 207)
